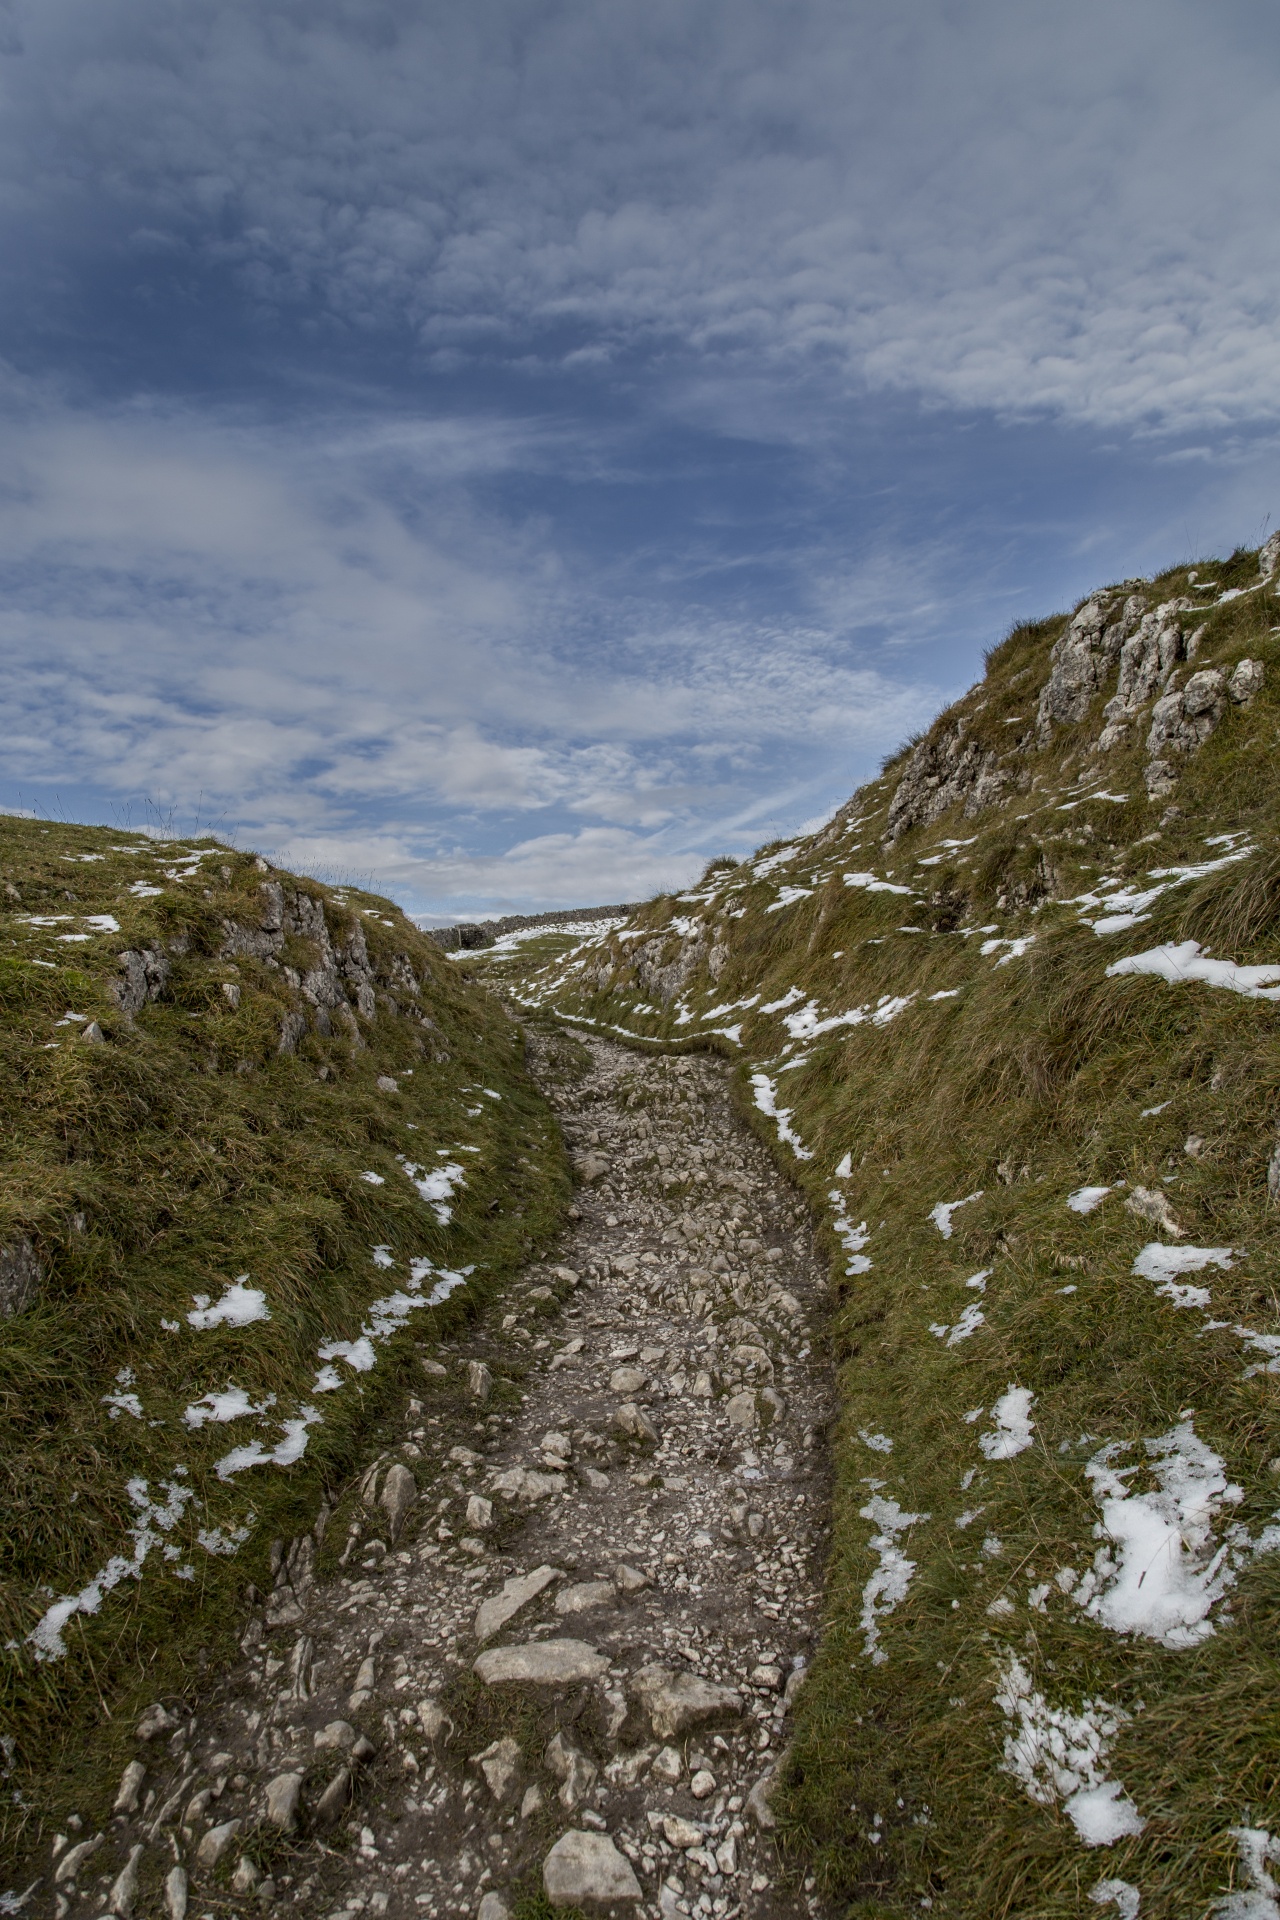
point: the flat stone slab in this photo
(678, 1702)
(517, 1592)
(542, 1663)
(587, 1870)
(586, 1594)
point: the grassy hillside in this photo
(262, 1142)
(999, 1019)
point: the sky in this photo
(510, 454)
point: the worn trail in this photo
(575, 1600)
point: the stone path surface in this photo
(575, 1601)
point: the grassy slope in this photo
(1030, 1081)
(181, 1152)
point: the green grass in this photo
(180, 1152)
(1029, 1082)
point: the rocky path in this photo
(574, 1602)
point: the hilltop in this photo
(1009, 1021)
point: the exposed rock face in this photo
(1147, 659)
(20, 1276)
(543, 1663)
(943, 771)
(1082, 659)
(586, 1870)
(341, 973)
(1269, 558)
(1181, 721)
(660, 973)
(146, 974)
(678, 1702)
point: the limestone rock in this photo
(338, 1737)
(145, 976)
(629, 1579)
(282, 1798)
(216, 1842)
(156, 1720)
(678, 1702)
(740, 1411)
(20, 1277)
(1245, 682)
(124, 1889)
(479, 1512)
(668, 1766)
(493, 1907)
(522, 1483)
(175, 1893)
(1181, 722)
(1269, 558)
(627, 1380)
(332, 1802)
(516, 1593)
(500, 1765)
(73, 1859)
(479, 1380)
(634, 1422)
(1150, 1204)
(587, 1870)
(681, 1833)
(946, 769)
(586, 1595)
(572, 1768)
(758, 1803)
(129, 1791)
(543, 1663)
(590, 1167)
(247, 1875)
(399, 1491)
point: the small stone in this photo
(586, 1869)
(130, 1788)
(1150, 1204)
(668, 1767)
(386, 1084)
(544, 1663)
(632, 1421)
(703, 1784)
(740, 1410)
(434, 1721)
(678, 1702)
(727, 1856)
(586, 1595)
(479, 1380)
(332, 1802)
(493, 1907)
(680, 1833)
(571, 1766)
(124, 1889)
(593, 1478)
(767, 1676)
(629, 1579)
(532, 1802)
(758, 1803)
(434, 1368)
(494, 1613)
(91, 1034)
(590, 1167)
(74, 1858)
(339, 1736)
(216, 1842)
(283, 1795)
(247, 1875)
(522, 1483)
(479, 1514)
(627, 1380)
(625, 1769)
(155, 1721)
(399, 1491)
(175, 1893)
(500, 1765)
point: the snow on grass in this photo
(852, 1238)
(288, 1449)
(1085, 1199)
(373, 1179)
(123, 1402)
(788, 999)
(968, 1323)
(941, 1214)
(887, 1587)
(239, 1306)
(1061, 1756)
(437, 1187)
(1159, 1572)
(155, 1519)
(872, 883)
(1160, 1263)
(787, 896)
(1014, 1425)
(765, 1095)
(1259, 1902)
(232, 1404)
(1017, 947)
(878, 1442)
(1183, 961)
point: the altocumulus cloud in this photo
(524, 447)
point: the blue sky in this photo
(515, 452)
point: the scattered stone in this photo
(500, 1765)
(635, 1423)
(1150, 1204)
(399, 1491)
(73, 1859)
(668, 1766)
(681, 1833)
(573, 1768)
(587, 1870)
(155, 1721)
(627, 1380)
(740, 1410)
(479, 1380)
(282, 1798)
(590, 1167)
(629, 1579)
(678, 1702)
(338, 1736)
(332, 1802)
(585, 1596)
(124, 1889)
(479, 1512)
(493, 1907)
(216, 1842)
(522, 1483)
(175, 1893)
(129, 1791)
(247, 1876)
(434, 1721)
(543, 1663)
(516, 1593)
(703, 1784)
(758, 1803)
(532, 1803)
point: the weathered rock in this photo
(247, 1876)
(740, 1410)
(493, 1907)
(629, 1579)
(1245, 682)
(758, 1803)
(634, 1422)
(1150, 1204)
(145, 975)
(479, 1512)
(479, 1380)
(668, 1766)
(338, 1737)
(216, 1843)
(74, 1858)
(124, 1888)
(332, 1802)
(20, 1277)
(703, 1784)
(516, 1593)
(947, 768)
(156, 1720)
(678, 1702)
(585, 1595)
(175, 1893)
(587, 1870)
(283, 1796)
(129, 1791)
(681, 1833)
(434, 1721)
(1181, 722)
(399, 1492)
(590, 1167)
(543, 1663)
(576, 1772)
(522, 1483)
(1269, 557)
(627, 1380)
(500, 1765)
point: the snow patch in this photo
(1085, 1199)
(1061, 1756)
(941, 1214)
(887, 1587)
(1183, 961)
(1014, 1425)
(239, 1306)
(1160, 1263)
